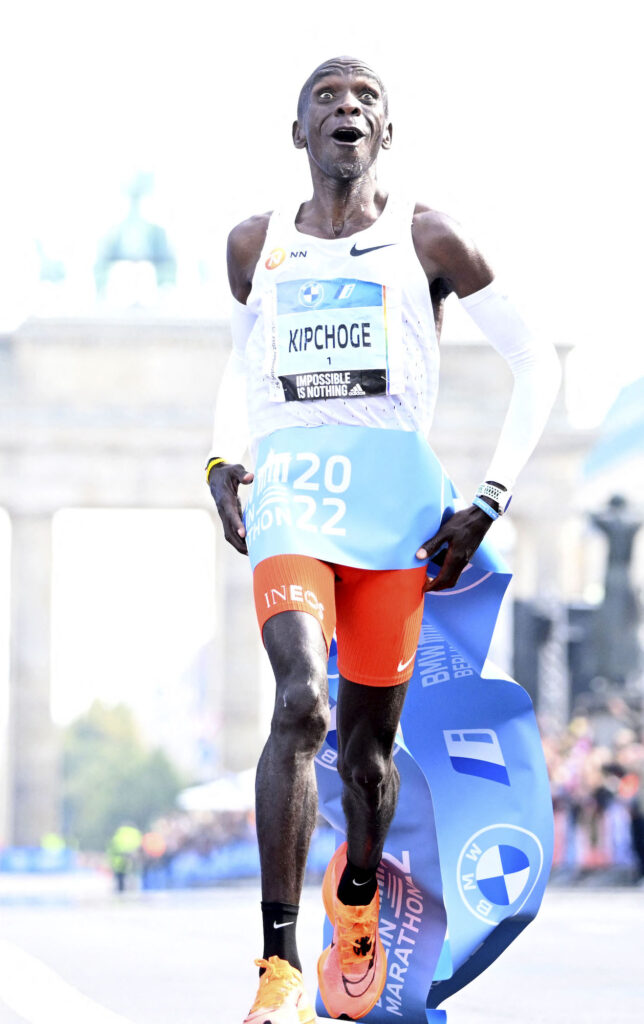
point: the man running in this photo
(337, 311)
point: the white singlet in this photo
(345, 329)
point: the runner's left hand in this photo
(462, 532)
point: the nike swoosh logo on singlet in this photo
(372, 248)
(401, 667)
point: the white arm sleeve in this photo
(537, 376)
(230, 428)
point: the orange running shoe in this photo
(281, 998)
(352, 971)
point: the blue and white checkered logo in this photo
(311, 294)
(497, 870)
(502, 874)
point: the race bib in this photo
(338, 338)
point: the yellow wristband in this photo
(211, 465)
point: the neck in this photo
(341, 207)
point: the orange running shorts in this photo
(376, 613)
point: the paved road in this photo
(71, 953)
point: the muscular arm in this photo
(245, 244)
(448, 257)
(454, 263)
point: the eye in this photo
(367, 96)
(326, 94)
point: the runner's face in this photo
(345, 123)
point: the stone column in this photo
(243, 688)
(553, 704)
(34, 788)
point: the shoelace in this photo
(276, 982)
(356, 932)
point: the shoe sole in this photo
(321, 962)
(306, 1016)
(329, 888)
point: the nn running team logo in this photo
(497, 870)
(275, 259)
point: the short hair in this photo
(336, 64)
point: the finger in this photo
(225, 493)
(243, 477)
(431, 546)
(449, 575)
(232, 506)
(241, 474)
(238, 544)
(232, 520)
(236, 541)
(437, 582)
(241, 529)
(228, 478)
(224, 484)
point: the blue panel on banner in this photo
(470, 847)
(484, 770)
(469, 850)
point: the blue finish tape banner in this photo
(468, 855)
(315, 489)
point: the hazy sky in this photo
(133, 601)
(521, 119)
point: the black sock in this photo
(280, 920)
(357, 886)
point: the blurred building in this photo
(619, 449)
(135, 261)
(106, 414)
(117, 414)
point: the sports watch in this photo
(498, 495)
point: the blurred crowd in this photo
(185, 848)
(596, 769)
(598, 797)
(200, 832)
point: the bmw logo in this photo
(311, 294)
(497, 870)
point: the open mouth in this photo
(347, 135)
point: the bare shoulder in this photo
(249, 234)
(245, 243)
(436, 227)
(446, 251)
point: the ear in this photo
(299, 138)
(387, 136)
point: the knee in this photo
(301, 716)
(364, 770)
